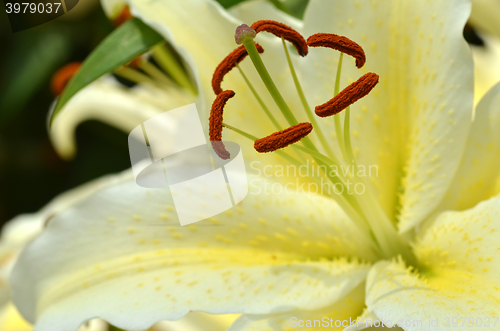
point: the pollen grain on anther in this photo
(62, 76)
(283, 138)
(283, 30)
(348, 96)
(229, 62)
(215, 123)
(339, 43)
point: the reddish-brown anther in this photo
(62, 77)
(283, 30)
(340, 43)
(283, 138)
(123, 17)
(228, 64)
(348, 96)
(215, 123)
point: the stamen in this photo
(340, 43)
(284, 31)
(215, 123)
(62, 77)
(348, 96)
(124, 16)
(283, 138)
(229, 62)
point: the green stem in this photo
(113, 328)
(170, 64)
(303, 100)
(347, 136)
(268, 81)
(259, 100)
(336, 118)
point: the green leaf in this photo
(229, 3)
(121, 46)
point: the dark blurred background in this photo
(31, 173)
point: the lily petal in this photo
(256, 10)
(486, 64)
(11, 320)
(458, 278)
(123, 247)
(113, 104)
(414, 124)
(485, 15)
(335, 317)
(477, 178)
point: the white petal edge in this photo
(335, 317)
(477, 177)
(22, 229)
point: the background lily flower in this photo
(118, 254)
(110, 102)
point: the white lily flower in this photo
(425, 251)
